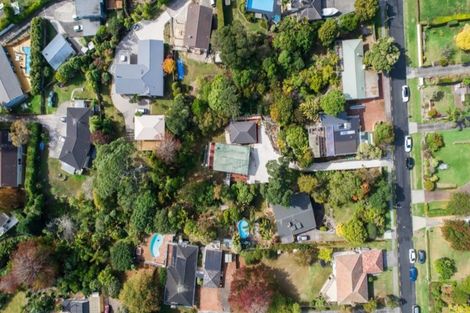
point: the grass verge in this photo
(411, 36)
(414, 105)
(417, 173)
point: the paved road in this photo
(434, 71)
(403, 189)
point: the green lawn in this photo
(437, 208)
(430, 9)
(237, 14)
(417, 209)
(16, 303)
(65, 93)
(302, 283)
(444, 100)
(414, 105)
(456, 156)
(383, 284)
(411, 19)
(343, 214)
(422, 284)
(441, 248)
(194, 70)
(417, 173)
(440, 38)
(60, 187)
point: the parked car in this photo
(78, 28)
(416, 309)
(301, 238)
(405, 93)
(413, 273)
(63, 119)
(141, 111)
(410, 163)
(52, 99)
(136, 26)
(421, 256)
(412, 255)
(408, 143)
(213, 3)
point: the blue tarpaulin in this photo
(180, 68)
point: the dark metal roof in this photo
(77, 142)
(342, 133)
(212, 268)
(198, 27)
(295, 219)
(8, 161)
(181, 275)
(76, 306)
(243, 132)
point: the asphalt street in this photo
(402, 187)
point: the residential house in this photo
(180, 283)
(233, 159)
(58, 51)
(212, 268)
(348, 284)
(334, 136)
(76, 306)
(358, 83)
(88, 14)
(10, 88)
(306, 9)
(145, 78)
(242, 132)
(75, 153)
(6, 223)
(296, 219)
(197, 32)
(11, 162)
(149, 131)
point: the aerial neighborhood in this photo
(245, 156)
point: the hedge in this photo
(220, 14)
(33, 162)
(443, 20)
(37, 60)
(27, 12)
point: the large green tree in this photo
(333, 102)
(366, 9)
(140, 293)
(177, 117)
(121, 256)
(459, 203)
(383, 134)
(281, 180)
(354, 231)
(383, 55)
(223, 97)
(445, 267)
(328, 32)
(297, 140)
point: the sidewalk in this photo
(346, 165)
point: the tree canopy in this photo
(462, 40)
(328, 32)
(383, 55)
(140, 293)
(223, 97)
(366, 9)
(333, 102)
(281, 179)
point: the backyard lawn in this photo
(417, 173)
(414, 105)
(82, 92)
(456, 156)
(411, 19)
(195, 69)
(383, 284)
(430, 9)
(422, 284)
(16, 303)
(303, 283)
(60, 187)
(440, 38)
(444, 100)
(441, 248)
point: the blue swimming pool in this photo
(155, 244)
(27, 52)
(260, 5)
(243, 229)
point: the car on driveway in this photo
(78, 28)
(410, 163)
(405, 93)
(52, 99)
(408, 143)
(416, 309)
(301, 238)
(413, 273)
(421, 256)
(141, 111)
(412, 255)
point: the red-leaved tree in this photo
(252, 289)
(167, 149)
(33, 266)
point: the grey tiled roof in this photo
(198, 27)
(10, 88)
(77, 142)
(76, 306)
(212, 268)
(243, 132)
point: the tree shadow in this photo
(285, 284)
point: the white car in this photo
(301, 238)
(405, 93)
(141, 111)
(412, 256)
(408, 143)
(78, 28)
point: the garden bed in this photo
(439, 39)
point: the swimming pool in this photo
(155, 244)
(27, 52)
(243, 229)
(260, 5)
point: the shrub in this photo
(121, 256)
(252, 256)
(459, 203)
(220, 14)
(445, 267)
(433, 113)
(383, 134)
(434, 141)
(457, 233)
(429, 185)
(462, 40)
(371, 231)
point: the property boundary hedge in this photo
(33, 162)
(444, 20)
(220, 14)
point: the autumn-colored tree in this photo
(167, 149)
(10, 198)
(252, 289)
(462, 40)
(33, 266)
(169, 65)
(140, 293)
(98, 137)
(19, 133)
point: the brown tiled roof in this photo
(351, 275)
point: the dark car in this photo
(421, 256)
(413, 273)
(410, 163)
(52, 99)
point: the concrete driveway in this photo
(149, 30)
